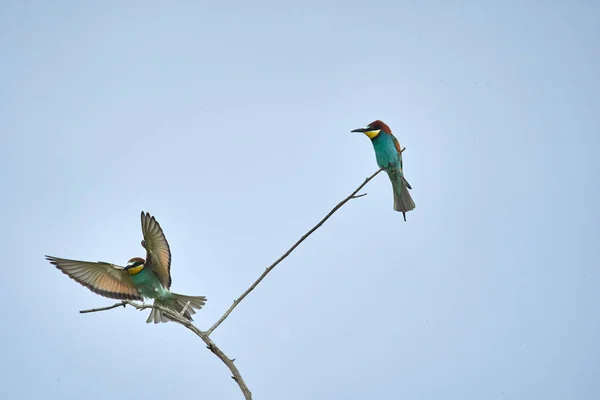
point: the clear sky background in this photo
(230, 122)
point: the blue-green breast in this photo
(149, 285)
(385, 151)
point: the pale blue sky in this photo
(230, 123)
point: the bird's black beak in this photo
(363, 130)
(129, 266)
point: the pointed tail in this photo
(403, 201)
(177, 303)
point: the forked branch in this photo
(178, 318)
(205, 335)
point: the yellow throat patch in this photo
(136, 270)
(373, 134)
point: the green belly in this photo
(149, 286)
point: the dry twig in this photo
(352, 195)
(205, 335)
(176, 317)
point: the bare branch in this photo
(119, 304)
(287, 253)
(184, 308)
(178, 318)
(205, 335)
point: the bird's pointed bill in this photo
(370, 132)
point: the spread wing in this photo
(105, 279)
(158, 253)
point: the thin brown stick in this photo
(205, 335)
(176, 317)
(120, 304)
(352, 195)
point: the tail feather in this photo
(403, 201)
(182, 304)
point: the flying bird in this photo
(150, 278)
(389, 157)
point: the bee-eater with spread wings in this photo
(141, 278)
(389, 157)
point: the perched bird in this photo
(389, 157)
(141, 278)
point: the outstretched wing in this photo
(158, 253)
(105, 279)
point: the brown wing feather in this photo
(105, 279)
(158, 253)
(397, 146)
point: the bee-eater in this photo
(389, 157)
(150, 278)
